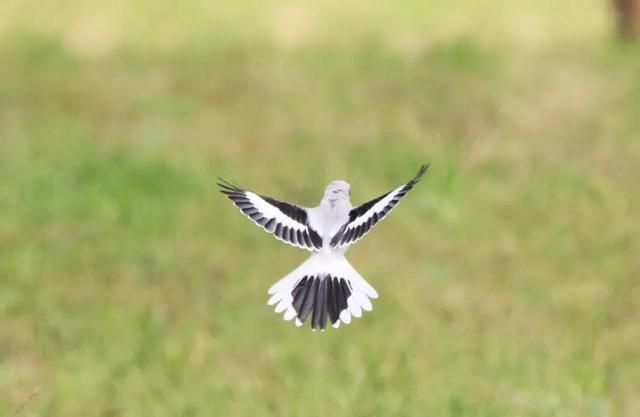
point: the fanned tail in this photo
(325, 288)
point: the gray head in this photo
(337, 189)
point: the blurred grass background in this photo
(508, 279)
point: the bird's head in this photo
(337, 189)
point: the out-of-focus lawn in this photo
(509, 279)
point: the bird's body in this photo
(325, 286)
(331, 213)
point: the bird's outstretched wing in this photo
(363, 217)
(286, 221)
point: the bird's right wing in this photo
(363, 217)
(286, 221)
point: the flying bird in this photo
(325, 287)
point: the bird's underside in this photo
(325, 288)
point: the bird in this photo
(326, 287)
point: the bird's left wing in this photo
(363, 217)
(286, 221)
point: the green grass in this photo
(508, 279)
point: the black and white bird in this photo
(325, 287)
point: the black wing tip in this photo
(418, 176)
(227, 186)
(421, 171)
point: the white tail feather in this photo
(322, 276)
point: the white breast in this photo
(328, 218)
